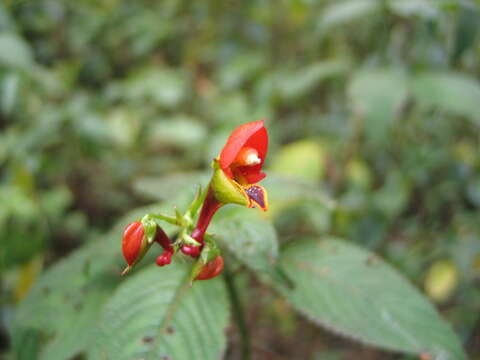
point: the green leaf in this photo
(240, 69)
(182, 131)
(354, 293)
(14, 51)
(249, 237)
(282, 189)
(9, 90)
(376, 96)
(76, 288)
(455, 93)
(156, 315)
(164, 86)
(426, 9)
(293, 85)
(341, 12)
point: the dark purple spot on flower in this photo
(258, 196)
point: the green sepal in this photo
(179, 218)
(197, 202)
(226, 190)
(149, 228)
(188, 240)
(167, 218)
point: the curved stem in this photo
(209, 208)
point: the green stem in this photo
(170, 219)
(238, 313)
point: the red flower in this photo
(237, 169)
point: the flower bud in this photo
(191, 250)
(134, 244)
(164, 259)
(211, 269)
(138, 237)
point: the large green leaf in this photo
(343, 12)
(157, 315)
(451, 92)
(352, 292)
(64, 304)
(249, 236)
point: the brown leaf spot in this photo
(147, 339)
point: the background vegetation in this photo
(109, 105)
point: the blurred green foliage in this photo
(375, 102)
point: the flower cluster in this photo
(236, 172)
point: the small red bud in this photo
(191, 250)
(212, 269)
(164, 259)
(132, 241)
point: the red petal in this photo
(246, 134)
(254, 177)
(259, 141)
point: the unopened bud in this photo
(211, 269)
(164, 259)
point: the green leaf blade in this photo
(354, 293)
(249, 237)
(156, 315)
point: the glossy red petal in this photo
(259, 141)
(254, 177)
(132, 241)
(239, 137)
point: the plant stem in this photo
(238, 313)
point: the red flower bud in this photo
(191, 250)
(164, 259)
(211, 269)
(133, 241)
